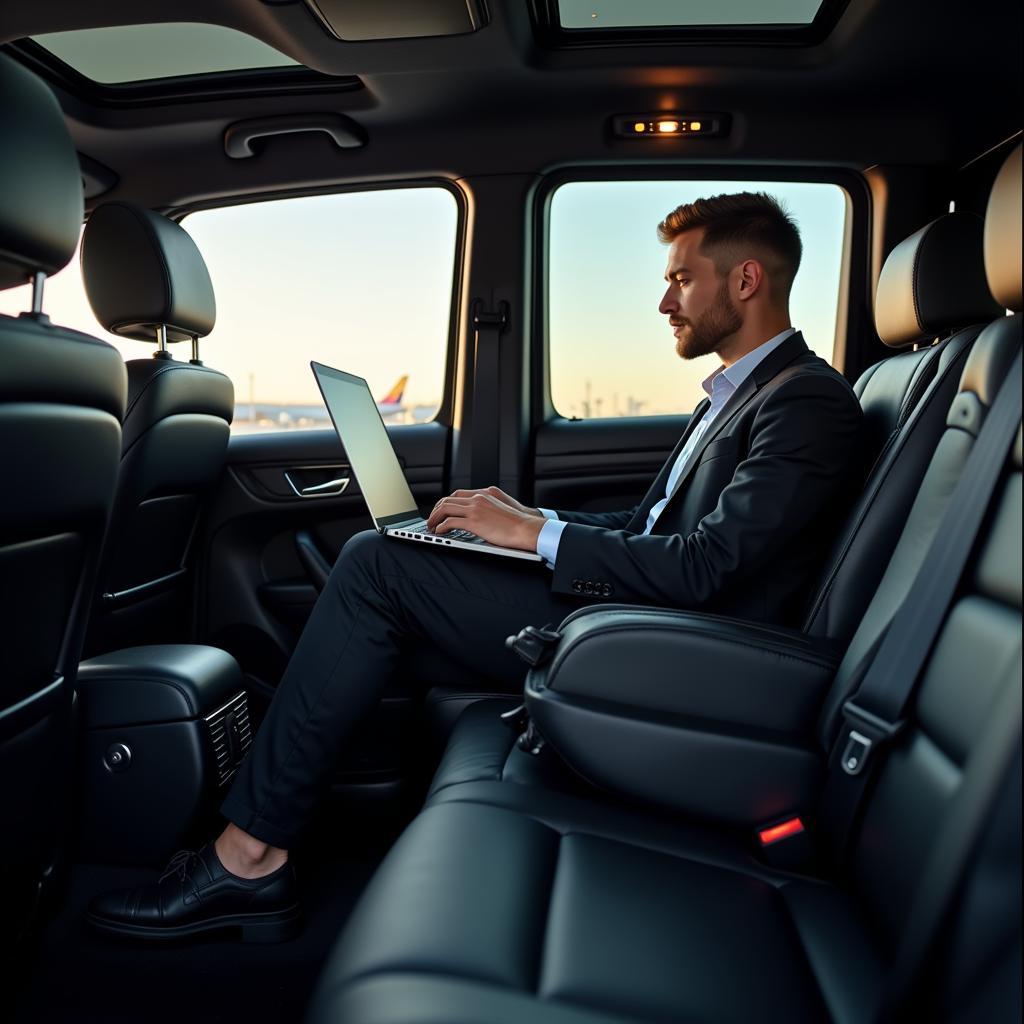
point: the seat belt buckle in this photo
(863, 734)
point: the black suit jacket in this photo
(750, 516)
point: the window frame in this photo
(853, 309)
(445, 414)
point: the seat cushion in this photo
(604, 916)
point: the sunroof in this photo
(137, 53)
(598, 14)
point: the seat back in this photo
(146, 279)
(62, 396)
(951, 781)
(932, 294)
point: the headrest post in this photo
(38, 280)
(161, 343)
(195, 360)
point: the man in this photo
(733, 523)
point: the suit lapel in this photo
(792, 348)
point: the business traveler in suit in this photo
(733, 523)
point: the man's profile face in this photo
(697, 302)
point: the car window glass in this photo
(361, 281)
(611, 352)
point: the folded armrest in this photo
(701, 713)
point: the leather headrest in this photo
(1003, 235)
(40, 180)
(934, 282)
(142, 270)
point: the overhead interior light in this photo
(669, 125)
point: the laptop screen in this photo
(366, 441)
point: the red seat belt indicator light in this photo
(768, 836)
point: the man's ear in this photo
(750, 279)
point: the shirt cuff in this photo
(548, 513)
(547, 540)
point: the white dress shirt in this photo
(719, 387)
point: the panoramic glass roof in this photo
(597, 14)
(135, 53)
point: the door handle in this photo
(329, 488)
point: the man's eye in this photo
(682, 280)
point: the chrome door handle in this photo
(328, 489)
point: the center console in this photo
(163, 729)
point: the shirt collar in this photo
(736, 374)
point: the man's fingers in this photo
(450, 523)
(446, 507)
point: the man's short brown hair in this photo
(739, 226)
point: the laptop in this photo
(375, 465)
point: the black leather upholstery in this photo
(62, 396)
(40, 181)
(989, 360)
(161, 388)
(142, 270)
(910, 394)
(158, 683)
(176, 426)
(923, 293)
(732, 751)
(508, 903)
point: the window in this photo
(132, 53)
(361, 281)
(598, 14)
(610, 350)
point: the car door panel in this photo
(268, 550)
(601, 465)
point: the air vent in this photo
(230, 736)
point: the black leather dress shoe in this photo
(198, 894)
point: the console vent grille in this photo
(230, 735)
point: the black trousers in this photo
(383, 597)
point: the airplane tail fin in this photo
(394, 396)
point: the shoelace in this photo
(180, 864)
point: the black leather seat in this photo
(906, 400)
(62, 397)
(146, 279)
(506, 903)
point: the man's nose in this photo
(669, 304)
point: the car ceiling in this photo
(895, 82)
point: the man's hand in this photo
(490, 514)
(497, 492)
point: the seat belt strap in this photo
(488, 327)
(874, 716)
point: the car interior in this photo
(675, 815)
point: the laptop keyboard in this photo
(451, 534)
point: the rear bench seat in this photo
(906, 400)
(505, 903)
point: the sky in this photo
(606, 280)
(363, 282)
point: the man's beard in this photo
(715, 324)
